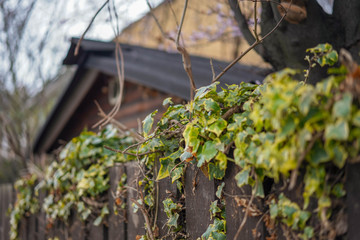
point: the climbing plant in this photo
(285, 132)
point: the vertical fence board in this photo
(24, 222)
(6, 198)
(353, 200)
(135, 223)
(166, 189)
(95, 232)
(197, 201)
(77, 228)
(41, 217)
(31, 227)
(116, 222)
(3, 201)
(59, 230)
(234, 213)
(2, 211)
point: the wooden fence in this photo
(6, 198)
(197, 216)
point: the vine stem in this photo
(146, 216)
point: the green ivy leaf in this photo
(215, 171)
(211, 106)
(337, 131)
(167, 163)
(191, 134)
(242, 178)
(219, 190)
(167, 101)
(173, 220)
(259, 190)
(338, 190)
(214, 209)
(342, 108)
(176, 174)
(218, 127)
(97, 221)
(340, 156)
(356, 119)
(208, 152)
(148, 123)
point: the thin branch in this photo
(181, 23)
(87, 29)
(121, 79)
(256, 43)
(131, 154)
(246, 214)
(212, 69)
(185, 55)
(119, 125)
(255, 21)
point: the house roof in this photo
(152, 68)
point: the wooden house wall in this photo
(137, 103)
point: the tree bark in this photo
(286, 47)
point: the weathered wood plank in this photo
(197, 202)
(76, 228)
(23, 228)
(2, 211)
(94, 232)
(3, 201)
(31, 227)
(41, 218)
(135, 221)
(116, 222)
(235, 213)
(6, 199)
(353, 200)
(166, 189)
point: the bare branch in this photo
(181, 49)
(88, 27)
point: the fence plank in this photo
(6, 198)
(135, 223)
(31, 227)
(41, 217)
(234, 213)
(353, 200)
(2, 211)
(197, 202)
(77, 228)
(23, 228)
(166, 189)
(95, 232)
(116, 222)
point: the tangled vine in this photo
(296, 136)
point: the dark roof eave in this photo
(149, 67)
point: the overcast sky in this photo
(57, 22)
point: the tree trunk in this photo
(286, 47)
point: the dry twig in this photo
(181, 49)
(76, 52)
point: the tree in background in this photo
(307, 24)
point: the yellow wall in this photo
(145, 32)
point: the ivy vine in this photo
(296, 135)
